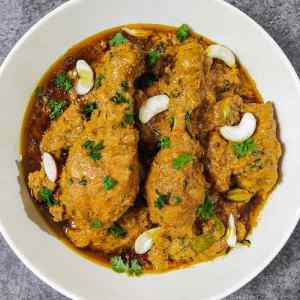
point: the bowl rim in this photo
(256, 270)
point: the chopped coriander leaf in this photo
(161, 200)
(164, 142)
(46, 196)
(152, 57)
(118, 264)
(178, 200)
(206, 210)
(96, 224)
(125, 86)
(88, 109)
(128, 119)
(117, 231)
(63, 82)
(242, 149)
(118, 39)
(109, 183)
(98, 80)
(118, 98)
(183, 32)
(56, 108)
(83, 182)
(93, 149)
(145, 81)
(135, 268)
(181, 160)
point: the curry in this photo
(149, 148)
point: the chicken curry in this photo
(149, 148)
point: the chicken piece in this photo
(64, 131)
(260, 174)
(258, 170)
(176, 177)
(175, 185)
(133, 223)
(100, 179)
(174, 246)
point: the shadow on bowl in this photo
(33, 211)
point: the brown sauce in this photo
(36, 120)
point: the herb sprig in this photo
(132, 269)
(109, 183)
(206, 210)
(63, 82)
(183, 32)
(118, 39)
(46, 196)
(118, 98)
(182, 160)
(117, 231)
(88, 109)
(242, 149)
(161, 200)
(93, 149)
(56, 108)
(164, 142)
(96, 224)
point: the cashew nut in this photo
(241, 132)
(152, 107)
(85, 81)
(49, 165)
(139, 33)
(231, 238)
(144, 241)
(222, 53)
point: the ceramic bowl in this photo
(79, 278)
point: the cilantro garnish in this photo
(118, 39)
(93, 149)
(109, 183)
(242, 149)
(182, 160)
(63, 82)
(183, 32)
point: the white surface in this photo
(79, 278)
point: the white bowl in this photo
(79, 278)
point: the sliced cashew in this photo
(49, 165)
(241, 132)
(144, 241)
(152, 107)
(85, 81)
(231, 232)
(222, 53)
(139, 33)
